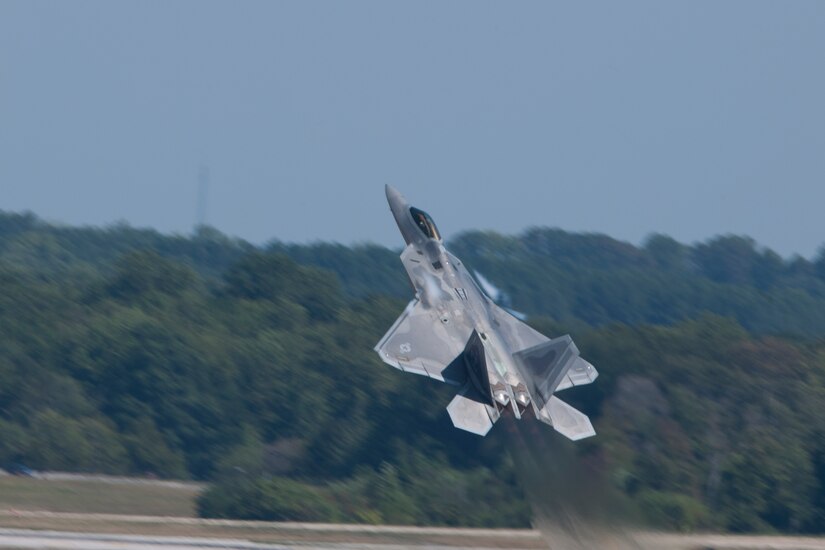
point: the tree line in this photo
(131, 352)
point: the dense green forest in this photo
(129, 351)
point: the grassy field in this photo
(94, 496)
(99, 505)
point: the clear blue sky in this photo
(687, 118)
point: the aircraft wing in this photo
(421, 342)
(520, 336)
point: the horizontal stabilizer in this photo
(469, 413)
(569, 422)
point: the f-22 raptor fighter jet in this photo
(454, 333)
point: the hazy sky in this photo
(687, 118)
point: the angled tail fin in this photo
(544, 367)
(473, 408)
(552, 366)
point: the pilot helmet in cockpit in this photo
(425, 223)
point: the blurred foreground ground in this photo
(575, 506)
(99, 532)
(101, 513)
(57, 492)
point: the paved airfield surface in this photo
(111, 532)
(38, 529)
(21, 538)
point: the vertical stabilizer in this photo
(544, 367)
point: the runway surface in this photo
(110, 532)
(39, 529)
(58, 540)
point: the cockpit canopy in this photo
(425, 223)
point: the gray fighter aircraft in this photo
(452, 332)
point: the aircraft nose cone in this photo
(393, 196)
(400, 211)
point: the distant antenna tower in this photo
(203, 194)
